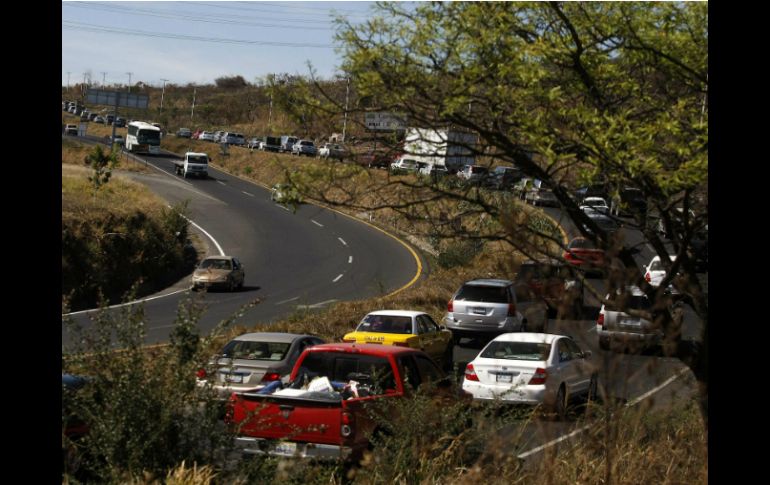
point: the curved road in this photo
(307, 259)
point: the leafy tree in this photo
(572, 94)
(102, 164)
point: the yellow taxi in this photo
(404, 328)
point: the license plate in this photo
(286, 447)
(237, 378)
(505, 378)
(479, 311)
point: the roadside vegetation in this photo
(114, 235)
(595, 91)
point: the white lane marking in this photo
(220, 182)
(250, 195)
(316, 223)
(592, 329)
(337, 278)
(317, 305)
(221, 251)
(350, 259)
(342, 241)
(125, 304)
(284, 208)
(656, 389)
(629, 404)
(287, 301)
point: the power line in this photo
(213, 19)
(69, 25)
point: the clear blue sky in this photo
(189, 42)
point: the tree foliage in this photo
(572, 94)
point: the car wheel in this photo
(604, 343)
(231, 285)
(523, 326)
(593, 388)
(560, 404)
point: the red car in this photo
(581, 252)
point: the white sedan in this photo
(655, 271)
(534, 369)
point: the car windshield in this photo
(488, 294)
(635, 302)
(241, 349)
(385, 324)
(216, 264)
(198, 159)
(517, 350)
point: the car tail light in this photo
(349, 340)
(348, 420)
(511, 309)
(600, 320)
(647, 277)
(539, 376)
(201, 374)
(271, 376)
(450, 306)
(470, 373)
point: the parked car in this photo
(584, 254)
(374, 159)
(605, 222)
(596, 203)
(541, 196)
(99, 119)
(630, 202)
(615, 327)
(484, 307)
(654, 272)
(219, 272)
(405, 329)
(254, 142)
(536, 369)
(71, 130)
(503, 178)
(434, 171)
(117, 139)
(207, 136)
(232, 138)
(184, 133)
(251, 361)
(473, 174)
(119, 122)
(403, 164)
(304, 147)
(553, 283)
(331, 150)
(324, 412)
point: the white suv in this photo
(484, 306)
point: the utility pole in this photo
(192, 111)
(129, 81)
(345, 122)
(104, 75)
(68, 80)
(162, 93)
(84, 87)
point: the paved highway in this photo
(292, 260)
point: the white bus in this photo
(143, 137)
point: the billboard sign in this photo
(117, 98)
(383, 121)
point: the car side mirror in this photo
(587, 354)
(442, 327)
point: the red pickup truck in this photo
(322, 413)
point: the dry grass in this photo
(121, 196)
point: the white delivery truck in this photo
(446, 148)
(193, 164)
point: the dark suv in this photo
(554, 283)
